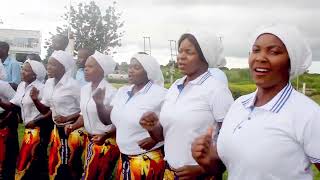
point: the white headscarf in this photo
(38, 68)
(211, 47)
(152, 67)
(299, 51)
(65, 59)
(106, 62)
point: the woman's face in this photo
(27, 73)
(54, 68)
(188, 59)
(93, 71)
(136, 73)
(269, 61)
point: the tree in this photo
(91, 28)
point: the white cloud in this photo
(162, 20)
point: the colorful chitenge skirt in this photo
(100, 160)
(147, 166)
(9, 147)
(65, 153)
(30, 141)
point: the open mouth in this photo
(262, 70)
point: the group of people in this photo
(193, 130)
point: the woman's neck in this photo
(195, 75)
(57, 79)
(95, 84)
(264, 95)
(138, 87)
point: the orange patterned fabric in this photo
(64, 150)
(100, 159)
(30, 141)
(148, 166)
(3, 137)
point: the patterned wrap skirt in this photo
(65, 154)
(100, 160)
(147, 166)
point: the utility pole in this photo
(173, 54)
(148, 39)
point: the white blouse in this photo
(127, 111)
(92, 123)
(187, 113)
(278, 140)
(22, 99)
(63, 98)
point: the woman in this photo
(9, 145)
(61, 95)
(193, 103)
(141, 157)
(101, 148)
(272, 133)
(31, 152)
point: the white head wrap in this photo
(211, 47)
(152, 67)
(299, 51)
(106, 62)
(65, 59)
(38, 68)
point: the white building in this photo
(22, 42)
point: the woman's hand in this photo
(189, 172)
(203, 150)
(99, 139)
(149, 120)
(147, 143)
(61, 119)
(99, 96)
(34, 93)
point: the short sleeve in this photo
(16, 99)
(311, 137)
(45, 94)
(220, 103)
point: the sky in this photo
(164, 20)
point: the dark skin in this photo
(55, 70)
(191, 65)
(269, 65)
(83, 55)
(28, 76)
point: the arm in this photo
(206, 154)
(64, 119)
(150, 122)
(5, 119)
(103, 111)
(76, 125)
(6, 105)
(35, 122)
(34, 94)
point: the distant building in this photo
(118, 76)
(22, 42)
